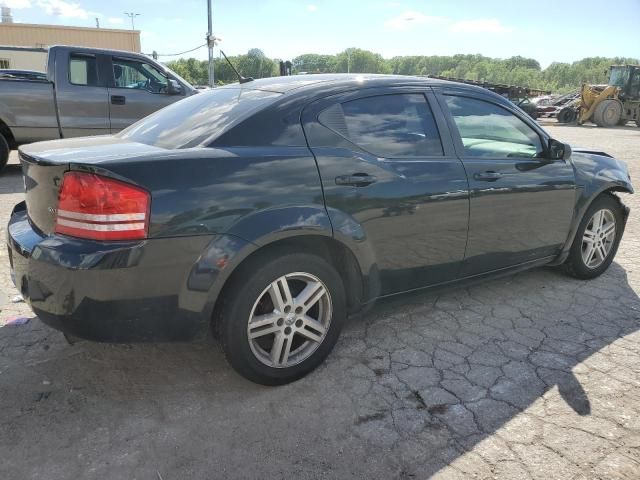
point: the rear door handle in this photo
(356, 179)
(488, 176)
(118, 99)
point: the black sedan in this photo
(268, 212)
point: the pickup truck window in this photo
(83, 70)
(138, 75)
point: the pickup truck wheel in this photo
(597, 239)
(281, 316)
(4, 152)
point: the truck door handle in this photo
(118, 99)
(488, 176)
(356, 179)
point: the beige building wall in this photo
(23, 59)
(30, 35)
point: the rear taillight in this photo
(101, 208)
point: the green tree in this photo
(356, 60)
(517, 70)
(314, 63)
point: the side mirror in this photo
(173, 87)
(558, 150)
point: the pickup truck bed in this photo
(88, 91)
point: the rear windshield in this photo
(191, 121)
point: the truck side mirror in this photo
(173, 87)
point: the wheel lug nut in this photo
(299, 310)
(280, 321)
(287, 309)
(287, 330)
(298, 323)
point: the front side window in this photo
(83, 70)
(139, 76)
(488, 130)
(399, 125)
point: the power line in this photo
(181, 53)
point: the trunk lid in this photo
(44, 164)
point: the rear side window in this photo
(83, 70)
(191, 121)
(388, 126)
(488, 130)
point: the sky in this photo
(547, 30)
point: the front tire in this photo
(281, 316)
(597, 239)
(608, 113)
(566, 115)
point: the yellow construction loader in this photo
(614, 104)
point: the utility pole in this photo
(132, 15)
(210, 44)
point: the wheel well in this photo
(332, 251)
(612, 193)
(5, 131)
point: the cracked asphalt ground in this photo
(531, 376)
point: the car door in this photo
(521, 201)
(81, 94)
(137, 90)
(391, 180)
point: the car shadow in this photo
(10, 179)
(412, 386)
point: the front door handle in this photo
(118, 99)
(356, 179)
(488, 176)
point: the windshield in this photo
(619, 76)
(191, 121)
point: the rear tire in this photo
(273, 337)
(593, 249)
(4, 152)
(608, 113)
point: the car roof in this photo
(294, 82)
(316, 83)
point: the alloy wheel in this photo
(598, 238)
(289, 320)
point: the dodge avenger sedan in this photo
(267, 212)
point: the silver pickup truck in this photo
(87, 91)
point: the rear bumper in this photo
(109, 291)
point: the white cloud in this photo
(411, 19)
(60, 8)
(480, 25)
(115, 20)
(16, 3)
(312, 8)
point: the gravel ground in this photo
(532, 376)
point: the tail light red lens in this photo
(101, 208)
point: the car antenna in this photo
(241, 79)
